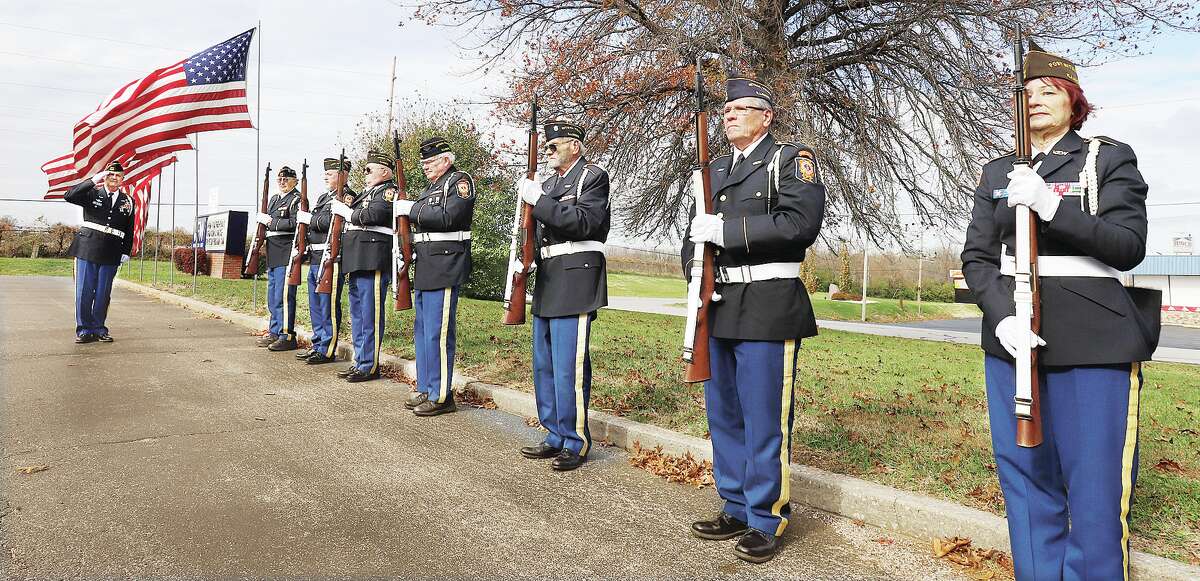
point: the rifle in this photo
(1026, 293)
(701, 279)
(333, 245)
(402, 250)
(300, 242)
(260, 234)
(523, 230)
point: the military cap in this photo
(1039, 63)
(381, 158)
(115, 166)
(434, 146)
(739, 87)
(556, 129)
(332, 162)
(287, 172)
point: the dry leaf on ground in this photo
(682, 469)
(33, 469)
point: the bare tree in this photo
(902, 100)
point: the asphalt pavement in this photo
(181, 450)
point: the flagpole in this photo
(142, 258)
(174, 170)
(157, 228)
(257, 156)
(196, 219)
(391, 97)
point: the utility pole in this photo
(920, 268)
(391, 97)
(864, 279)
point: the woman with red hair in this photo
(1067, 499)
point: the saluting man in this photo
(102, 244)
(367, 263)
(280, 220)
(769, 203)
(441, 222)
(572, 213)
(1067, 499)
(324, 310)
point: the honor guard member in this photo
(768, 203)
(441, 223)
(367, 263)
(102, 244)
(324, 310)
(280, 220)
(572, 213)
(1067, 499)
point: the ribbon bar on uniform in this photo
(564, 248)
(104, 229)
(757, 272)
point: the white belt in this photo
(316, 246)
(376, 229)
(571, 248)
(757, 272)
(280, 233)
(1063, 266)
(104, 229)
(459, 236)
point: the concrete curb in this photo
(906, 513)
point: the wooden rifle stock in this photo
(403, 263)
(1027, 290)
(514, 298)
(700, 292)
(260, 234)
(300, 242)
(334, 246)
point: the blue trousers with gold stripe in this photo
(325, 311)
(433, 340)
(1068, 499)
(93, 290)
(749, 402)
(368, 302)
(281, 302)
(562, 379)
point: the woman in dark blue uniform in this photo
(1067, 499)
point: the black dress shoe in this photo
(567, 460)
(305, 354)
(722, 528)
(347, 372)
(265, 340)
(85, 338)
(320, 358)
(540, 452)
(104, 338)
(429, 408)
(416, 399)
(282, 344)
(756, 547)
(359, 376)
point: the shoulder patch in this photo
(806, 169)
(389, 195)
(464, 189)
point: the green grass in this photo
(622, 284)
(35, 266)
(905, 413)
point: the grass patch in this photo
(902, 412)
(36, 266)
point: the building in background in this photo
(1178, 277)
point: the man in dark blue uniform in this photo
(441, 223)
(102, 244)
(367, 263)
(768, 203)
(324, 310)
(280, 220)
(571, 284)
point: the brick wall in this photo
(226, 265)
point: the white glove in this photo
(708, 228)
(303, 217)
(339, 208)
(1027, 188)
(124, 258)
(516, 266)
(403, 207)
(530, 191)
(98, 178)
(1009, 332)
(264, 219)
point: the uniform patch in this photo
(126, 206)
(389, 195)
(1066, 188)
(464, 189)
(1000, 193)
(806, 170)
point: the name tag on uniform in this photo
(1000, 193)
(565, 198)
(1066, 188)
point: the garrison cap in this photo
(331, 163)
(115, 166)
(434, 146)
(1039, 63)
(739, 87)
(287, 172)
(556, 129)
(379, 157)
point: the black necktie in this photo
(737, 160)
(1037, 159)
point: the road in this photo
(181, 450)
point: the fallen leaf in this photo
(858, 522)
(1168, 465)
(33, 469)
(885, 541)
(269, 393)
(206, 361)
(681, 469)
(260, 419)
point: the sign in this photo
(222, 232)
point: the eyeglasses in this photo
(551, 148)
(742, 110)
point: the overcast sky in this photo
(325, 65)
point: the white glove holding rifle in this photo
(530, 191)
(264, 219)
(303, 217)
(708, 228)
(339, 208)
(1027, 188)
(1010, 333)
(403, 207)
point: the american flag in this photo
(62, 175)
(142, 174)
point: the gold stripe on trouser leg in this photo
(785, 463)
(376, 293)
(581, 338)
(443, 334)
(335, 307)
(1131, 431)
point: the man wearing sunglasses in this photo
(768, 202)
(367, 263)
(280, 220)
(441, 223)
(572, 213)
(324, 310)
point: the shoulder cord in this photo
(1091, 180)
(773, 176)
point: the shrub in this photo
(840, 296)
(184, 260)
